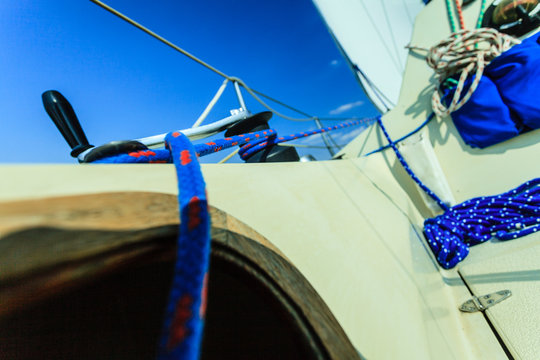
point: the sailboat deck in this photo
(347, 225)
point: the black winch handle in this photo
(63, 116)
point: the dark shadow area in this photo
(119, 316)
(246, 321)
(116, 317)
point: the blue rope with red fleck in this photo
(507, 216)
(181, 332)
(253, 147)
(251, 143)
(184, 315)
(164, 155)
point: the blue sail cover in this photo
(507, 100)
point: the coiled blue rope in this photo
(507, 216)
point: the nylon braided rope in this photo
(251, 143)
(460, 14)
(465, 52)
(506, 216)
(409, 171)
(183, 323)
(481, 14)
(451, 17)
(184, 314)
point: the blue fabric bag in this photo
(484, 120)
(516, 73)
(507, 100)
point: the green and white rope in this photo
(451, 17)
(481, 15)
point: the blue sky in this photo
(124, 84)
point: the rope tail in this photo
(507, 216)
(184, 315)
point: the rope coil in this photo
(507, 216)
(467, 52)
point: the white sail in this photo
(372, 35)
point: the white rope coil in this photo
(465, 52)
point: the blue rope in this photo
(164, 155)
(427, 190)
(181, 333)
(184, 315)
(507, 216)
(250, 143)
(253, 147)
(428, 119)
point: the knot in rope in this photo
(465, 52)
(254, 145)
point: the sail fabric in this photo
(505, 104)
(372, 36)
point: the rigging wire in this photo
(378, 93)
(261, 101)
(364, 82)
(160, 38)
(407, 12)
(254, 93)
(381, 38)
(314, 118)
(325, 137)
(229, 157)
(233, 153)
(391, 31)
(461, 54)
(282, 103)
